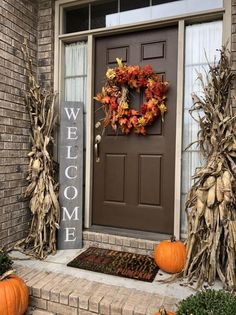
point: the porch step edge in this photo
(34, 311)
(59, 294)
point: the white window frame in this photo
(59, 41)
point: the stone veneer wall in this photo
(19, 19)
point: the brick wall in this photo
(19, 19)
(45, 43)
(233, 48)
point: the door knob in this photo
(98, 139)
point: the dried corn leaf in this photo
(42, 189)
(211, 243)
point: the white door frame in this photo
(60, 39)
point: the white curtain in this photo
(76, 72)
(201, 44)
(76, 75)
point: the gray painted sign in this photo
(71, 175)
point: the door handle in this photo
(96, 146)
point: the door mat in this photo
(117, 263)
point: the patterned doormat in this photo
(117, 263)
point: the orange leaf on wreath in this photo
(115, 97)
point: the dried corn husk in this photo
(209, 217)
(226, 179)
(202, 195)
(200, 207)
(233, 147)
(211, 196)
(223, 211)
(42, 189)
(219, 190)
(47, 203)
(36, 165)
(211, 201)
(209, 182)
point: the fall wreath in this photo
(114, 97)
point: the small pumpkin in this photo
(170, 255)
(14, 295)
(163, 311)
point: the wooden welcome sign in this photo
(71, 175)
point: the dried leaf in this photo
(42, 189)
(211, 201)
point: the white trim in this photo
(179, 125)
(89, 136)
(90, 35)
(56, 48)
(56, 82)
(227, 24)
(61, 69)
(72, 3)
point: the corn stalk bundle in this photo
(42, 189)
(211, 202)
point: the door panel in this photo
(149, 179)
(115, 174)
(133, 184)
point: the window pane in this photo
(131, 5)
(105, 13)
(76, 72)
(75, 78)
(99, 12)
(201, 41)
(160, 9)
(77, 20)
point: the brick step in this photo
(117, 242)
(63, 294)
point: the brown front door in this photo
(133, 185)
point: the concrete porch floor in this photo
(58, 289)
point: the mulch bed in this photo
(117, 263)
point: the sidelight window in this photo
(201, 41)
(76, 72)
(75, 75)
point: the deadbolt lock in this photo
(98, 124)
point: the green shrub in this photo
(5, 262)
(208, 302)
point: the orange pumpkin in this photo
(14, 296)
(163, 311)
(170, 255)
